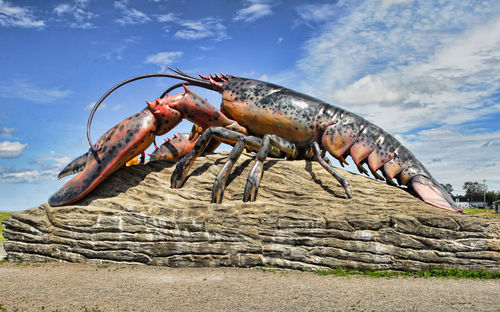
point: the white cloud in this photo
(6, 133)
(76, 13)
(116, 107)
(163, 59)
(169, 17)
(385, 4)
(255, 10)
(22, 89)
(116, 49)
(315, 13)
(27, 175)
(50, 165)
(52, 161)
(413, 65)
(15, 16)
(423, 58)
(462, 156)
(91, 105)
(62, 8)
(130, 16)
(446, 88)
(368, 90)
(11, 149)
(208, 27)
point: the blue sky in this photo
(426, 71)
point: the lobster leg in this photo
(345, 184)
(251, 143)
(221, 179)
(268, 143)
(253, 180)
(220, 134)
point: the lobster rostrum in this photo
(262, 117)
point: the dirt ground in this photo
(74, 287)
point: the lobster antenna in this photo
(181, 76)
(180, 72)
(175, 87)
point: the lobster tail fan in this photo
(431, 192)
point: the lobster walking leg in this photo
(268, 143)
(179, 175)
(252, 143)
(253, 180)
(221, 179)
(345, 184)
(221, 134)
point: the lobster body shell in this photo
(265, 108)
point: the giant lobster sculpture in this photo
(262, 117)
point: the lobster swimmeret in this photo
(261, 117)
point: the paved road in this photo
(70, 287)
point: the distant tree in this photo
(492, 196)
(448, 187)
(473, 189)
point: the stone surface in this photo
(301, 220)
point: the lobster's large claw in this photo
(114, 149)
(433, 193)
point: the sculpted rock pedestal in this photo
(301, 220)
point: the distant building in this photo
(467, 202)
(496, 206)
(462, 202)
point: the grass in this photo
(3, 215)
(488, 213)
(439, 273)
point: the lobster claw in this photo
(174, 148)
(114, 149)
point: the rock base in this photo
(301, 220)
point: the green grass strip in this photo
(438, 273)
(3, 216)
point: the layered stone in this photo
(301, 220)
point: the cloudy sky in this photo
(426, 71)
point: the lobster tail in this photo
(366, 143)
